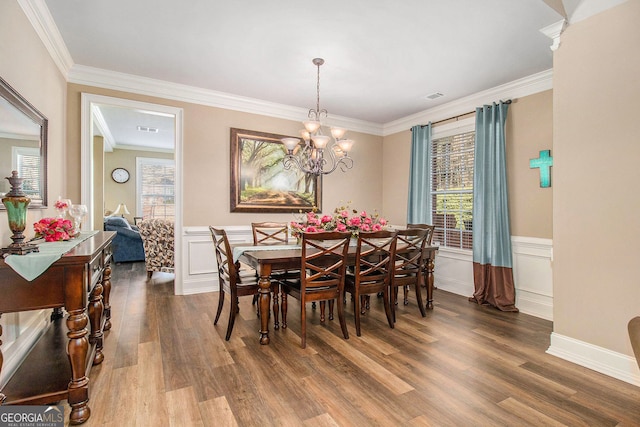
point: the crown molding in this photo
(142, 148)
(535, 83)
(554, 31)
(42, 22)
(98, 77)
(584, 9)
(103, 127)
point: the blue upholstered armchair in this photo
(127, 245)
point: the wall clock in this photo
(120, 175)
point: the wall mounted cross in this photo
(544, 162)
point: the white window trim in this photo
(22, 151)
(443, 131)
(454, 128)
(147, 160)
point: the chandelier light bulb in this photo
(338, 133)
(305, 135)
(311, 126)
(345, 145)
(320, 141)
(290, 143)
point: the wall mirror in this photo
(23, 145)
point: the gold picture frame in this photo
(259, 181)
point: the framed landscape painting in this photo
(259, 181)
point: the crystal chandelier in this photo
(312, 157)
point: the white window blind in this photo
(452, 189)
(156, 188)
(26, 160)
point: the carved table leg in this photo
(2, 396)
(95, 316)
(430, 267)
(106, 296)
(77, 349)
(265, 302)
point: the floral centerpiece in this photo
(343, 219)
(54, 229)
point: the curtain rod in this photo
(508, 101)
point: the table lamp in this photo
(121, 210)
(16, 202)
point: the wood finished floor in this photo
(166, 364)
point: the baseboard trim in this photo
(195, 286)
(16, 351)
(597, 358)
(534, 304)
(454, 286)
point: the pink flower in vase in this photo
(61, 204)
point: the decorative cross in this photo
(544, 162)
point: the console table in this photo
(58, 365)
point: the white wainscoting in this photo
(453, 273)
(533, 276)
(199, 273)
(532, 273)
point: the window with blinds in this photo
(156, 188)
(26, 160)
(452, 189)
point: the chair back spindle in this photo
(231, 282)
(270, 233)
(372, 272)
(409, 264)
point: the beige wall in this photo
(528, 130)
(27, 66)
(596, 231)
(395, 172)
(115, 193)
(206, 158)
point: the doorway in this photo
(91, 113)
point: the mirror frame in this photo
(25, 107)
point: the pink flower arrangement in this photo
(54, 229)
(61, 204)
(343, 219)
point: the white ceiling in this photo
(129, 128)
(382, 57)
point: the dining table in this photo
(268, 259)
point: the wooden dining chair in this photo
(372, 272)
(273, 233)
(408, 266)
(633, 328)
(270, 233)
(322, 274)
(230, 279)
(431, 229)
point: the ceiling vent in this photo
(147, 129)
(434, 95)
